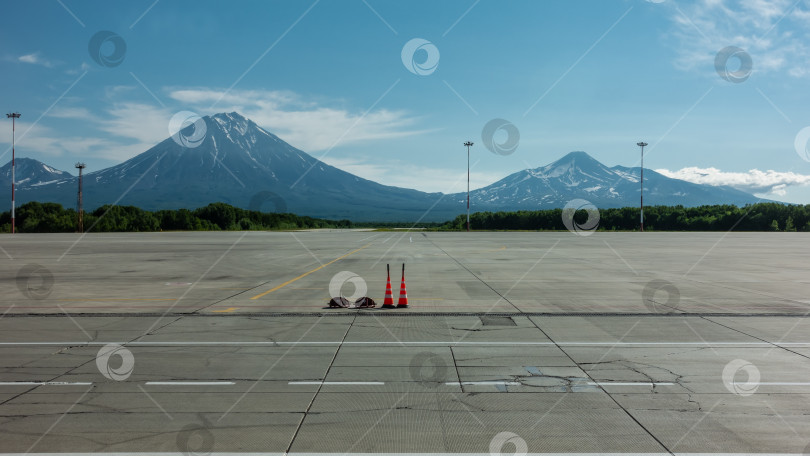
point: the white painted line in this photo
(485, 383)
(776, 383)
(390, 454)
(336, 383)
(185, 383)
(46, 383)
(631, 383)
(419, 343)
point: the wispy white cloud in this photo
(36, 59)
(426, 179)
(125, 128)
(776, 33)
(307, 124)
(42, 141)
(147, 124)
(78, 70)
(752, 181)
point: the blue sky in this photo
(329, 77)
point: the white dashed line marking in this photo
(336, 383)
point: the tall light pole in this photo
(13, 116)
(468, 144)
(80, 220)
(642, 144)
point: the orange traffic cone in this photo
(388, 303)
(403, 293)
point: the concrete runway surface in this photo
(513, 343)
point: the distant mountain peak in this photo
(230, 122)
(577, 175)
(576, 154)
(32, 172)
(238, 161)
(578, 157)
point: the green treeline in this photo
(37, 217)
(756, 217)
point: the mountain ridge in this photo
(240, 163)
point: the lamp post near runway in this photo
(79, 208)
(468, 144)
(642, 145)
(13, 116)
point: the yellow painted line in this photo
(308, 272)
(229, 309)
(116, 299)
